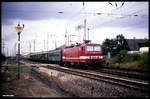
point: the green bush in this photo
(141, 60)
(121, 55)
(130, 61)
(144, 61)
(107, 62)
(113, 60)
(104, 61)
(144, 58)
(132, 57)
(127, 58)
(135, 57)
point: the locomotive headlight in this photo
(101, 57)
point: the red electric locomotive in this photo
(85, 53)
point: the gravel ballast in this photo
(85, 87)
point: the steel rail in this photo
(124, 73)
(138, 85)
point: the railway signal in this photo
(19, 29)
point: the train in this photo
(80, 54)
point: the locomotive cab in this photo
(94, 53)
(91, 54)
(85, 53)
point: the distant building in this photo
(144, 49)
(135, 44)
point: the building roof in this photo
(135, 44)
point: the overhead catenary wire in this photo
(72, 17)
(117, 5)
(119, 16)
(115, 15)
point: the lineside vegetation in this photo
(128, 61)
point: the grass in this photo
(12, 62)
(24, 69)
(5, 84)
(54, 91)
(128, 65)
(4, 88)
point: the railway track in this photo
(141, 76)
(120, 72)
(8, 67)
(125, 73)
(137, 85)
(121, 81)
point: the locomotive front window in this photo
(90, 48)
(96, 48)
(93, 48)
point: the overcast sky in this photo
(48, 22)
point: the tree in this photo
(145, 44)
(105, 46)
(121, 55)
(114, 46)
(121, 43)
(109, 45)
